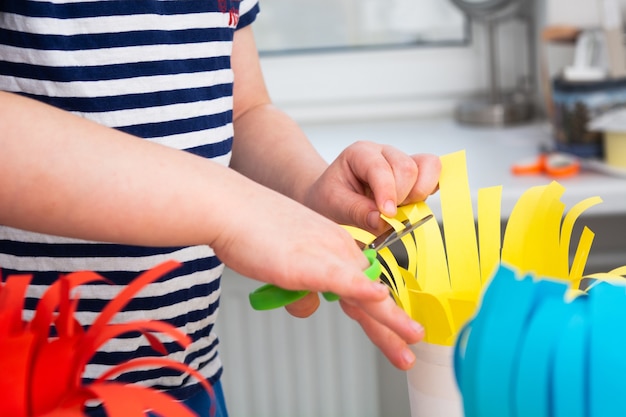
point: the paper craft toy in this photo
(442, 279)
(528, 342)
(535, 349)
(40, 375)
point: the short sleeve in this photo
(248, 11)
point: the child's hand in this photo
(376, 320)
(277, 240)
(368, 179)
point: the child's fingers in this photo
(305, 306)
(427, 181)
(389, 173)
(391, 344)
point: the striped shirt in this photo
(157, 69)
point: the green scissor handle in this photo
(270, 296)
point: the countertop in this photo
(490, 153)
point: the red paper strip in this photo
(41, 376)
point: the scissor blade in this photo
(392, 236)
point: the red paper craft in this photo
(40, 376)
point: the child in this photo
(218, 172)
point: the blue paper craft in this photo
(607, 367)
(488, 360)
(571, 364)
(535, 350)
(532, 379)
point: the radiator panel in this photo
(276, 365)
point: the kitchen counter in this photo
(490, 154)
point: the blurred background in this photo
(536, 74)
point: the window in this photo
(297, 25)
(338, 59)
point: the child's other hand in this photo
(375, 318)
(305, 306)
(277, 240)
(367, 179)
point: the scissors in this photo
(270, 296)
(555, 164)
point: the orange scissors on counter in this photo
(554, 164)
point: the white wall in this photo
(581, 13)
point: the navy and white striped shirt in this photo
(157, 69)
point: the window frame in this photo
(333, 85)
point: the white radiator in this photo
(279, 366)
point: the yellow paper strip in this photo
(542, 239)
(619, 271)
(581, 256)
(568, 227)
(359, 235)
(429, 311)
(402, 296)
(462, 308)
(458, 224)
(517, 225)
(489, 233)
(411, 213)
(432, 266)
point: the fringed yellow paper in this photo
(449, 266)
